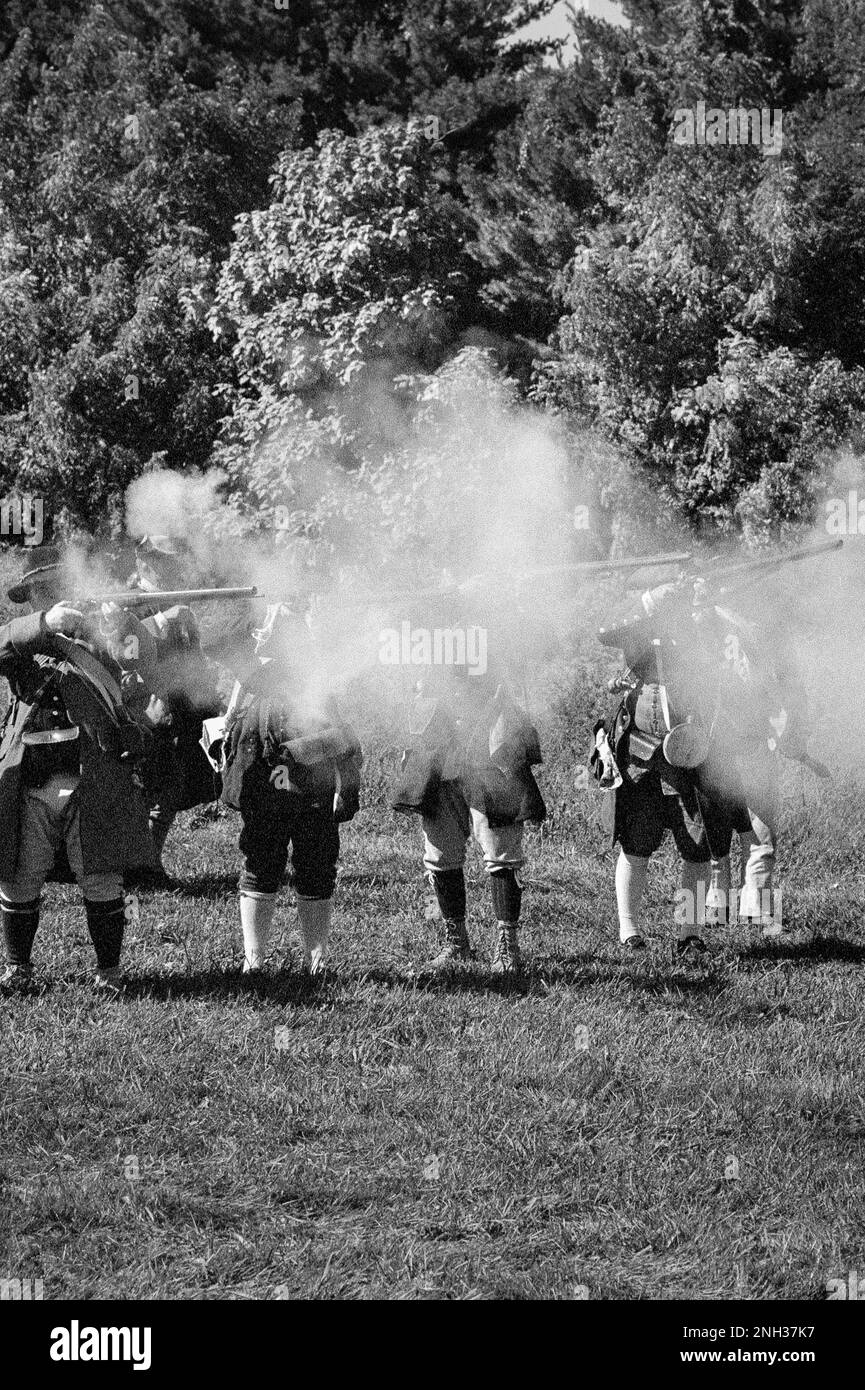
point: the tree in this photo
(132, 137)
(119, 187)
(355, 276)
(718, 268)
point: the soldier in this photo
(176, 773)
(708, 691)
(292, 770)
(467, 772)
(73, 727)
(760, 710)
(646, 795)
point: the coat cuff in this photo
(29, 635)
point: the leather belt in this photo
(37, 737)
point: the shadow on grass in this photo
(287, 987)
(219, 984)
(578, 973)
(822, 948)
(270, 987)
(209, 885)
(653, 975)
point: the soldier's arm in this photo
(226, 636)
(31, 635)
(134, 649)
(128, 642)
(20, 640)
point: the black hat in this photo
(49, 567)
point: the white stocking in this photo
(632, 871)
(313, 915)
(256, 919)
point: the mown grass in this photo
(613, 1128)
(374, 1138)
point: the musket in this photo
(762, 564)
(634, 562)
(466, 586)
(716, 585)
(163, 598)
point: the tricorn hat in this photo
(163, 557)
(48, 567)
(157, 545)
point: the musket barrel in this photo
(465, 586)
(167, 598)
(633, 562)
(764, 563)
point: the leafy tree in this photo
(119, 185)
(719, 270)
(760, 430)
(132, 136)
(540, 198)
(355, 276)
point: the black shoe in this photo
(507, 959)
(108, 982)
(634, 944)
(455, 951)
(692, 950)
(18, 979)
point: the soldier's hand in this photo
(110, 618)
(158, 713)
(135, 692)
(653, 598)
(66, 619)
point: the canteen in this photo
(686, 745)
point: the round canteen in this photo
(686, 745)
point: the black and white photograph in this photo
(432, 659)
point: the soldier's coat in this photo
(176, 770)
(113, 817)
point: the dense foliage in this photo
(252, 234)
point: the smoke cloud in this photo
(463, 497)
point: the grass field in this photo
(612, 1130)
(372, 1138)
